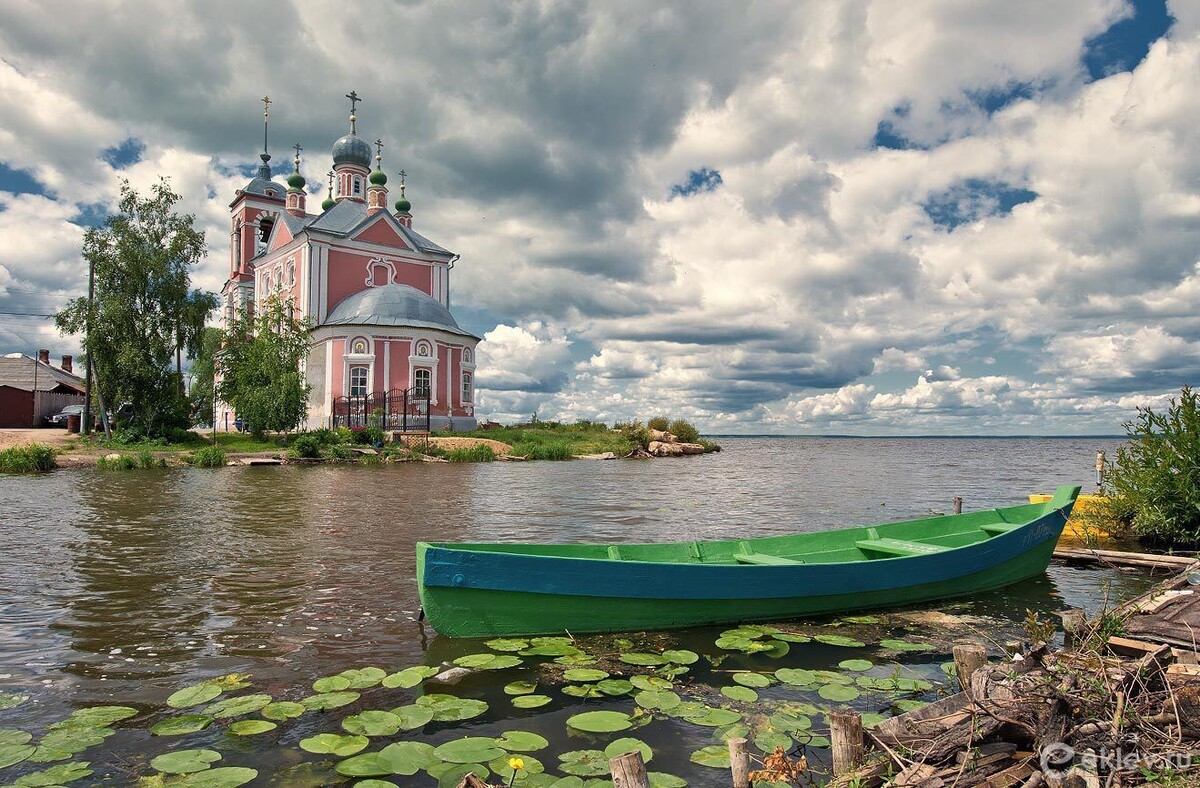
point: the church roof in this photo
(260, 186)
(346, 217)
(394, 305)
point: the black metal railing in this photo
(398, 410)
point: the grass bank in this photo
(553, 441)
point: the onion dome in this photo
(403, 205)
(352, 150)
(328, 203)
(377, 177)
(296, 181)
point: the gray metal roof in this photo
(260, 185)
(350, 149)
(347, 216)
(296, 223)
(394, 305)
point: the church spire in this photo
(264, 169)
(403, 206)
(295, 192)
(377, 191)
(329, 202)
(352, 159)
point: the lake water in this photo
(121, 587)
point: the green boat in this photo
(494, 589)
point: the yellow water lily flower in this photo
(516, 764)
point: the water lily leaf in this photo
(839, 640)
(550, 650)
(905, 645)
(521, 741)
(584, 674)
(584, 763)
(10, 700)
(499, 662)
(670, 671)
(447, 708)
(657, 699)
(329, 700)
(790, 723)
(776, 649)
(688, 707)
(650, 683)
(72, 739)
(600, 722)
(231, 681)
(714, 755)
(14, 753)
(792, 637)
(520, 687)
(237, 706)
(913, 685)
(767, 741)
(472, 749)
(507, 644)
(530, 701)
(755, 680)
(529, 767)
(450, 775)
(664, 780)
(331, 684)
(372, 723)
(100, 716)
(621, 746)
(796, 676)
(551, 640)
(42, 754)
(871, 719)
(837, 692)
(413, 716)
(221, 777)
(875, 683)
(570, 782)
(406, 757)
(858, 665)
(909, 705)
(576, 659)
(334, 744)
(615, 687)
(740, 693)
(361, 678)
(475, 660)
(251, 727)
(409, 677)
(860, 619)
(282, 710)
(642, 658)
(714, 717)
(14, 736)
(812, 740)
(373, 783)
(193, 696)
(681, 656)
(582, 691)
(832, 677)
(185, 761)
(61, 774)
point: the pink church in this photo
(377, 293)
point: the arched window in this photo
(422, 382)
(466, 387)
(358, 185)
(265, 225)
(466, 355)
(423, 349)
(358, 381)
(359, 345)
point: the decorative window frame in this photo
(466, 386)
(352, 359)
(429, 362)
(366, 379)
(379, 262)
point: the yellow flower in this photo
(516, 764)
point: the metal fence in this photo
(398, 410)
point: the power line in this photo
(27, 314)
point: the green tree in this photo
(203, 374)
(1155, 482)
(145, 314)
(259, 365)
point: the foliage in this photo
(635, 432)
(1038, 629)
(119, 462)
(1156, 478)
(684, 430)
(208, 457)
(367, 436)
(306, 447)
(339, 451)
(145, 316)
(146, 459)
(479, 453)
(660, 423)
(203, 376)
(326, 436)
(550, 450)
(30, 458)
(260, 367)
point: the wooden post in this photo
(471, 781)
(957, 505)
(629, 771)
(739, 762)
(968, 658)
(846, 731)
(1073, 624)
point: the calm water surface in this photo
(120, 587)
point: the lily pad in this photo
(530, 701)
(251, 727)
(905, 645)
(409, 677)
(100, 716)
(657, 699)
(550, 650)
(650, 683)
(715, 756)
(331, 684)
(10, 700)
(185, 761)
(838, 693)
(622, 746)
(71, 740)
(584, 674)
(488, 661)
(193, 696)
(413, 716)
(237, 706)
(790, 723)
(860, 619)
(664, 780)
(857, 665)
(584, 763)
(372, 723)
(14, 736)
(755, 680)
(329, 700)
(520, 688)
(600, 722)
(502, 766)
(507, 644)
(14, 753)
(448, 708)
(909, 705)
(450, 775)
(740, 693)
(839, 640)
(362, 678)
(232, 681)
(282, 710)
(615, 687)
(575, 660)
(681, 656)
(472, 749)
(522, 741)
(798, 677)
(582, 691)
(334, 744)
(406, 757)
(61, 774)
(642, 658)
(791, 637)
(714, 717)
(221, 777)
(767, 741)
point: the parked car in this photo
(60, 419)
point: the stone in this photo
(692, 448)
(608, 455)
(112, 457)
(661, 437)
(662, 449)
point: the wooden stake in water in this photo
(629, 771)
(846, 733)
(968, 658)
(739, 762)
(957, 505)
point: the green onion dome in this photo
(378, 178)
(403, 205)
(296, 181)
(328, 203)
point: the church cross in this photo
(354, 99)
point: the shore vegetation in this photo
(30, 458)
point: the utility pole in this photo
(85, 424)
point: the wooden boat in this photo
(492, 589)
(1078, 530)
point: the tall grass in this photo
(480, 453)
(550, 450)
(208, 457)
(30, 458)
(119, 462)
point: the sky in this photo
(933, 217)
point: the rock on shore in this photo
(664, 444)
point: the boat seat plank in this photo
(996, 529)
(898, 547)
(763, 559)
(614, 553)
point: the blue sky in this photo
(803, 217)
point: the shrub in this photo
(432, 450)
(30, 458)
(1156, 478)
(328, 437)
(660, 423)
(636, 433)
(307, 447)
(180, 435)
(146, 459)
(208, 457)
(554, 450)
(344, 435)
(119, 462)
(709, 446)
(684, 431)
(339, 451)
(480, 453)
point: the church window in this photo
(358, 185)
(422, 348)
(466, 355)
(466, 387)
(358, 381)
(264, 230)
(422, 382)
(291, 274)
(360, 346)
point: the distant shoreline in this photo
(840, 436)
